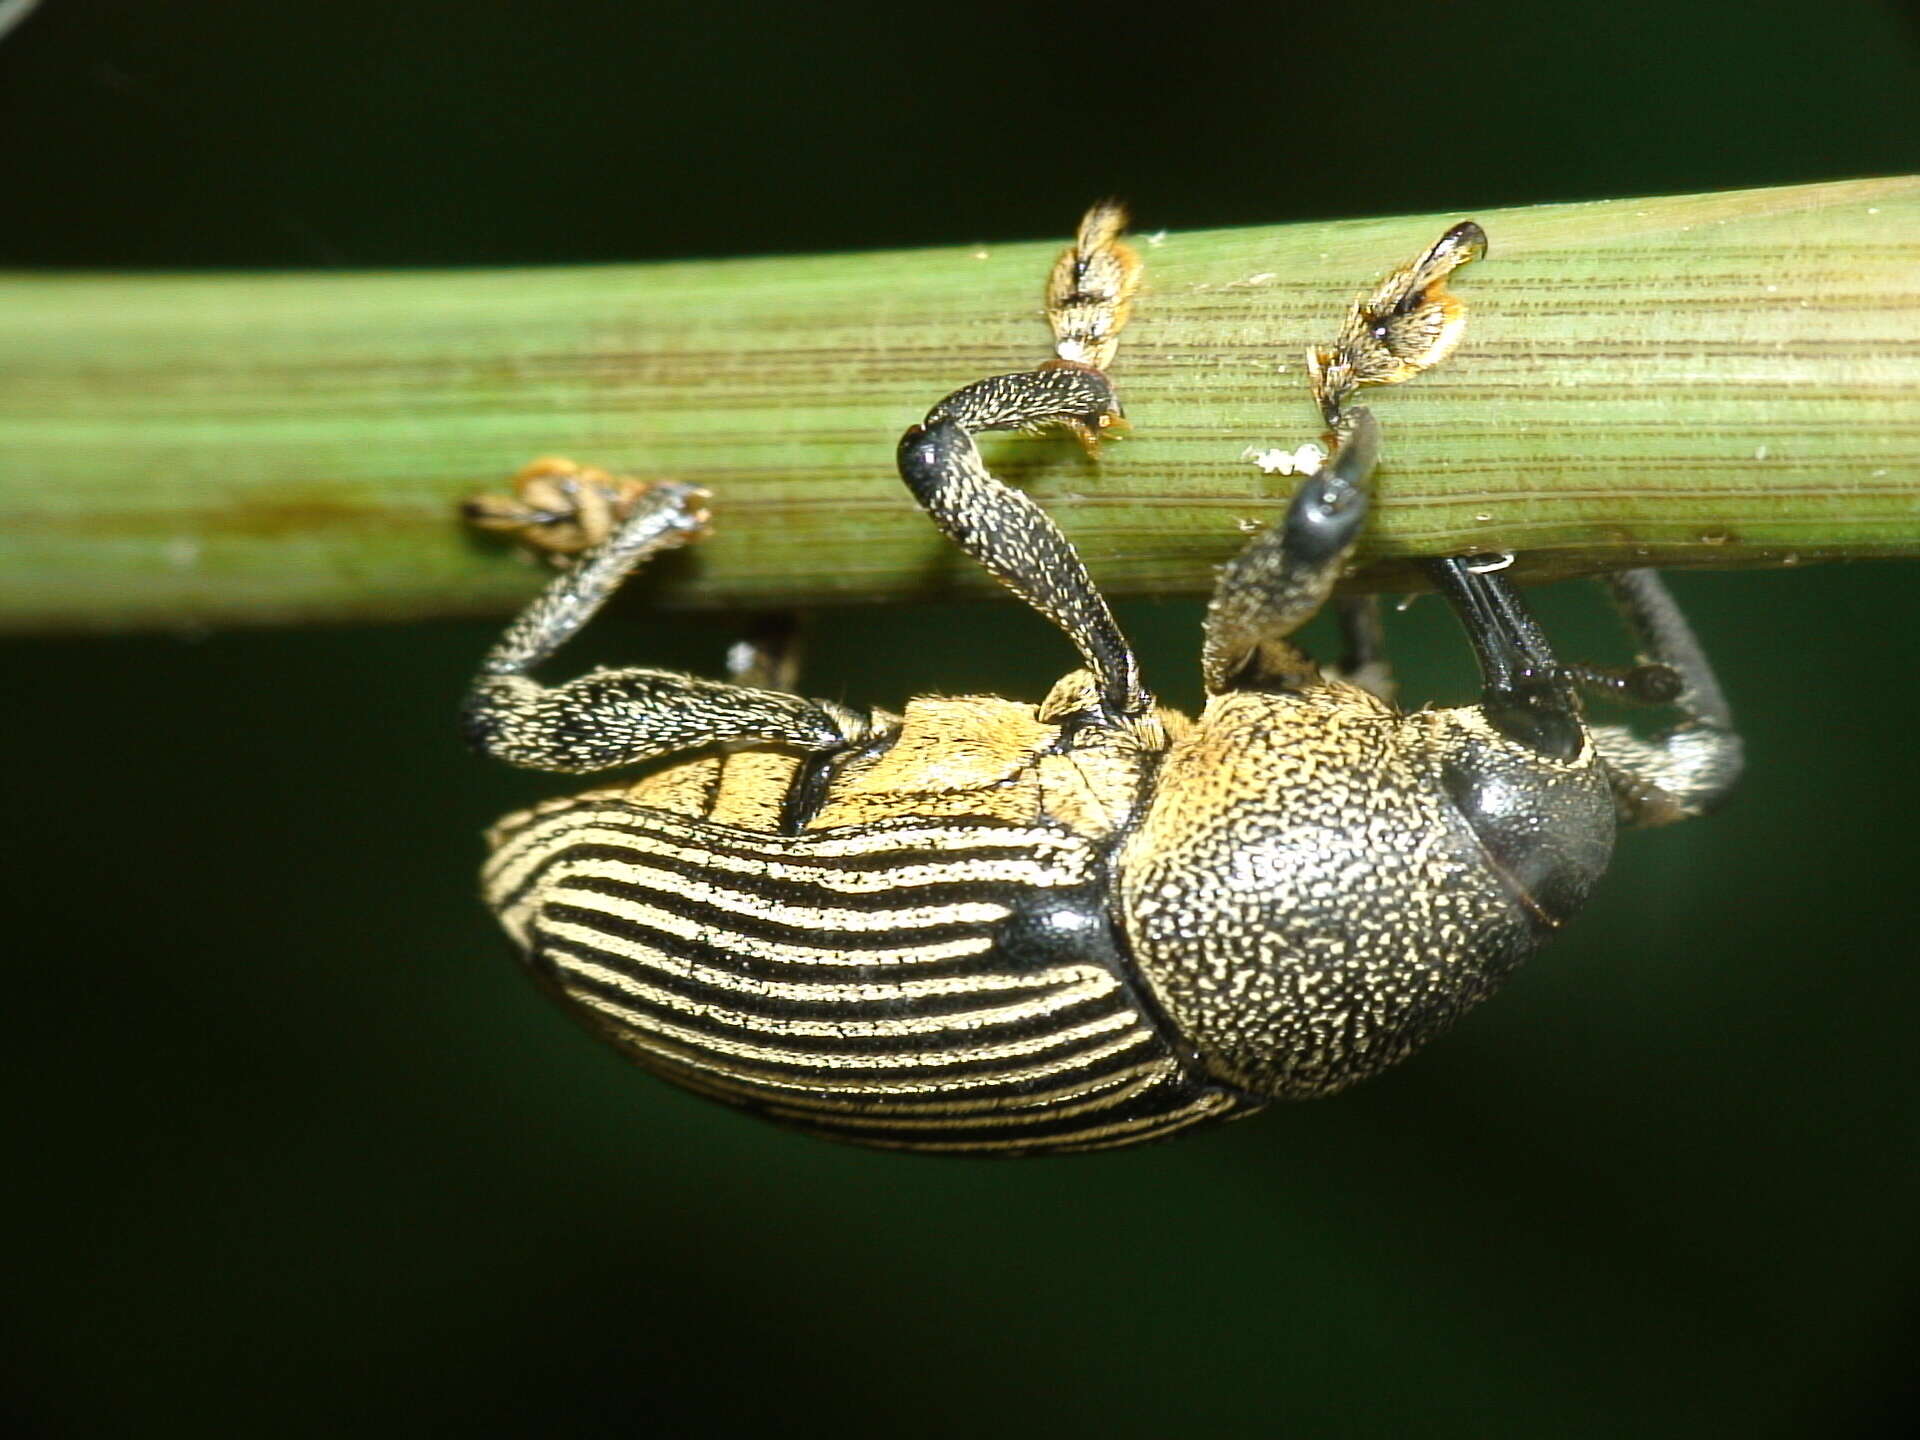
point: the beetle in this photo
(986, 927)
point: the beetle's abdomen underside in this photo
(931, 983)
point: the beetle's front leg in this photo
(1408, 323)
(610, 718)
(1688, 768)
(1275, 584)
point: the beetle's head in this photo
(1321, 884)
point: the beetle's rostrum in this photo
(987, 927)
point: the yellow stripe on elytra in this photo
(839, 1060)
(885, 1027)
(774, 952)
(692, 1051)
(766, 908)
(1104, 1094)
(833, 992)
(1099, 1137)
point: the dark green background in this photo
(296, 1151)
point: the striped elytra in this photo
(942, 984)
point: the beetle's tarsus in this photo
(558, 507)
(1090, 292)
(1407, 323)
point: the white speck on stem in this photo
(1307, 460)
(182, 553)
(1759, 452)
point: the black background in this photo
(296, 1150)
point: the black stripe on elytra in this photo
(746, 1085)
(723, 921)
(877, 862)
(712, 948)
(556, 951)
(967, 1045)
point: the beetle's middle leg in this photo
(1088, 297)
(1363, 640)
(767, 656)
(609, 718)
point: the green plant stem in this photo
(1729, 379)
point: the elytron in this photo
(983, 926)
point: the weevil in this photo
(986, 927)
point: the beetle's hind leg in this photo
(1689, 767)
(610, 718)
(1089, 294)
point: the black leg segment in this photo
(1020, 546)
(1525, 693)
(611, 718)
